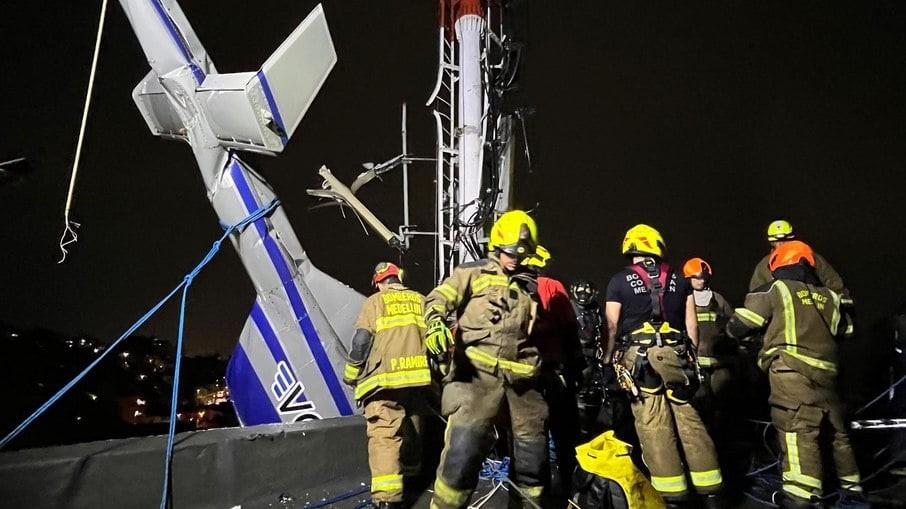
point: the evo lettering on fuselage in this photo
(291, 394)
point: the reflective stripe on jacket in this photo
(801, 321)
(712, 318)
(494, 311)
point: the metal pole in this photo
(405, 181)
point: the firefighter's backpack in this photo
(607, 478)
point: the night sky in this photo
(706, 121)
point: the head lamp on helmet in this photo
(780, 229)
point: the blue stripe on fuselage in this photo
(178, 39)
(248, 395)
(270, 339)
(295, 299)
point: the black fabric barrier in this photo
(291, 465)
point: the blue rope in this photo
(339, 498)
(174, 396)
(495, 470)
(184, 285)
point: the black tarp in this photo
(292, 465)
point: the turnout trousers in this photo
(471, 408)
(393, 420)
(804, 413)
(664, 425)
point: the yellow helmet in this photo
(643, 240)
(780, 229)
(515, 233)
(539, 259)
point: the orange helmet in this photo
(791, 253)
(697, 268)
(384, 270)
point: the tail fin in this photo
(289, 362)
(282, 370)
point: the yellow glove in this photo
(438, 338)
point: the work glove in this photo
(438, 338)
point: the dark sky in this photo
(706, 121)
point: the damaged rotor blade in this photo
(336, 190)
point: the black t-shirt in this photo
(630, 290)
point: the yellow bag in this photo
(608, 457)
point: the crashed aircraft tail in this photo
(288, 363)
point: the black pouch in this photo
(594, 491)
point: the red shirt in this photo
(555, 328)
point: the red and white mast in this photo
(470, 27)
(461, 100)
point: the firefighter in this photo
(800, 318)
(590, 324)
(494, 363)
(716, 353)
(650, 309)
(779, 232)
(388, 367)
(595, 403)
(562, 364)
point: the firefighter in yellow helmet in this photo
(388, 367)
(800, 318)
(651, 320)
(494, 363)
(779, 232)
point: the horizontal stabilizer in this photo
(259, 111)
(155, 107)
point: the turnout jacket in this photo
(495, 312)
(826, 274)
(392, 321)
(800, 322)
(712, 312)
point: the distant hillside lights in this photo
(212, 394)
(127, 395)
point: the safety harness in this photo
(656, 331)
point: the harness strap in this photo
(655, 279)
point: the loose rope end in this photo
(69, 237)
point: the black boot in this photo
(854, 499)
(713, 501)
(676, 502)
(786, 501)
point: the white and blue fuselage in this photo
(290, 355)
